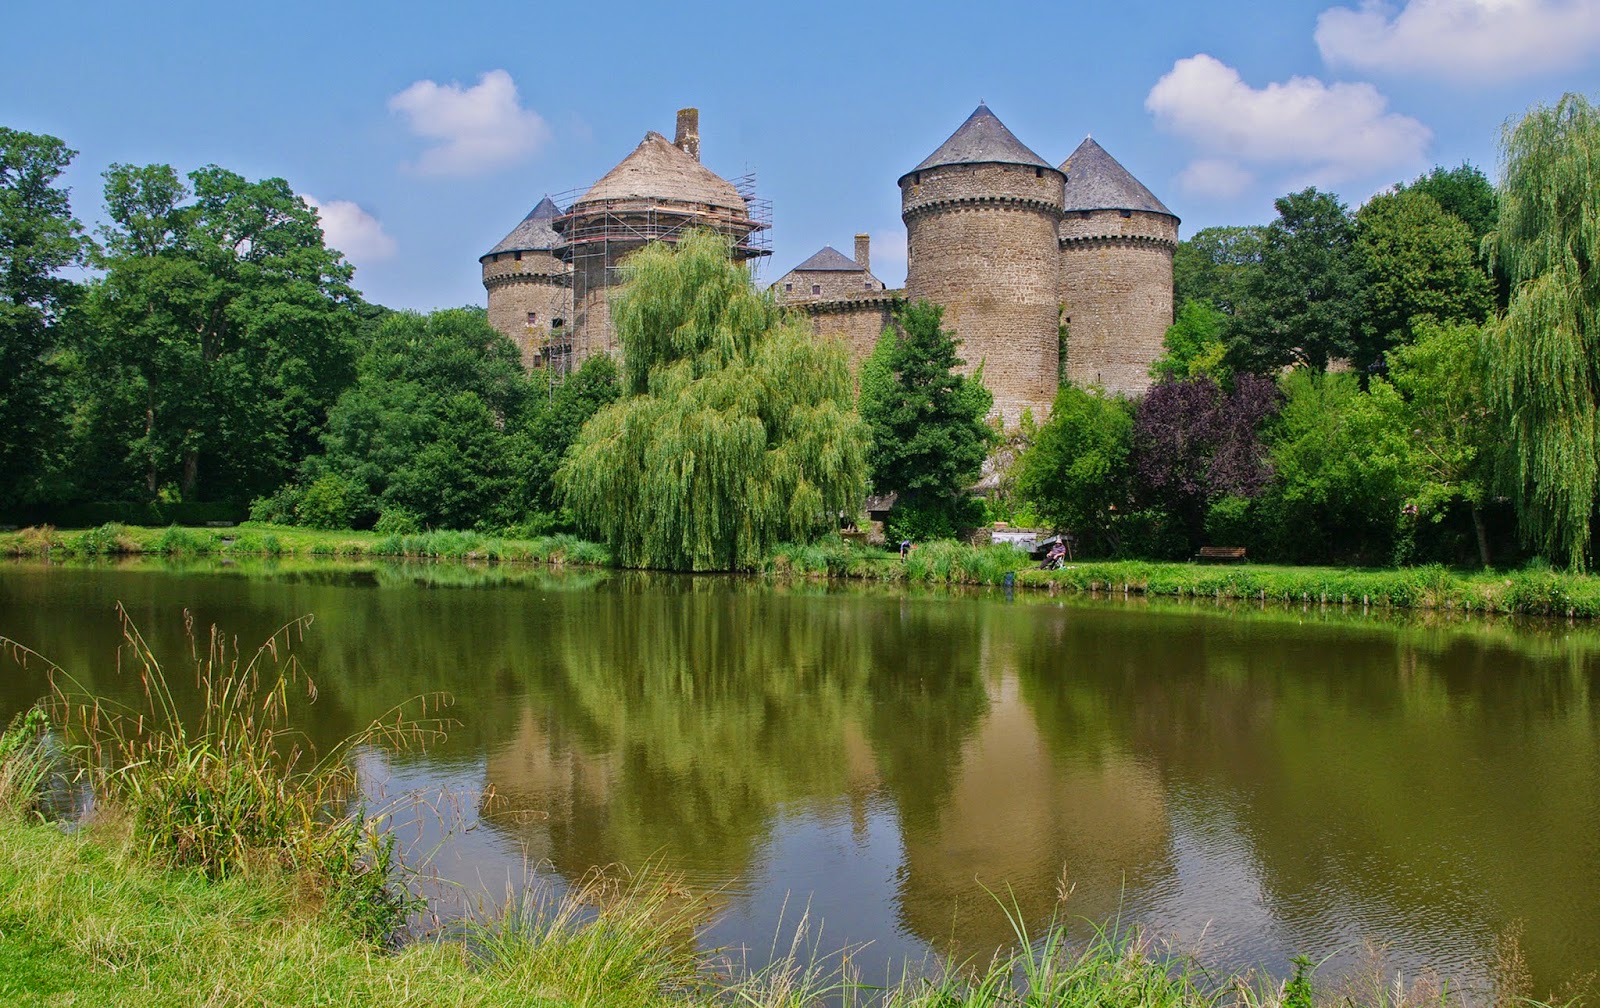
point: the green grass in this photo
(253, 539)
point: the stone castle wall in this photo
(983, 243)
(1116, 295)
(526, 295)
(858, 321)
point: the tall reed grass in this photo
(227, 785)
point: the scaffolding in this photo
(597, 235)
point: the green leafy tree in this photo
(1216, 264)
(1077, 474)
(1464, 192)
(1194, 345)
(1417, 262)
(1343, 464)
(552, 424)
(1454, 441)
(38, 238)
(220, 334)
(428, 428)
(929, 438)
(1544, 355)
(735, 431)
(1303, 304)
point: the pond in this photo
(907, 765)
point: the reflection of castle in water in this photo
(997, 811)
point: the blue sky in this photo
(426, 130)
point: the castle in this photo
(1044, 272)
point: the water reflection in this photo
(1251, 784)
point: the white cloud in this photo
(352, 230)
(1321, 133)
(478, 129)
(1215, 177)
(1463, 40)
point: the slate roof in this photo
(659, 170)
(1097, 181)
(829, 258)
(534, 234)
(982, 139)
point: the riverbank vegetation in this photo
(1406, 382)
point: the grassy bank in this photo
(252, 539)
(1532, 591)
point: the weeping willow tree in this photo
(737, 429)
(1544, 354)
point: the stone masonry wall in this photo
(834, 283)
(993, 263)
(1116, 289)
(858, 322)
(537, 285)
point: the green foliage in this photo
(1194, 345)
(1303, 303)
(328, 503)
(1297, 992)
(1455, 443)
(430, 424)
(1077, 473)
(397, 521)
(549, 429)
(38, 238)
(217, 338)
(929, 438)
(1216, 264)
(1544, 355)
(924, 519)
(735, 432)
(1343, 460)
(1464, 192)
(1417, 263)
(25, 763)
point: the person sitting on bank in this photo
(905, 548)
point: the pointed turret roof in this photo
(982, 139)
(829, 258)
(1097, 181)
(534, 234)
(659, 170)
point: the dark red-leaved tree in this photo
(1194, 442)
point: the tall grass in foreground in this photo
(235, 788)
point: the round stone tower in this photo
(527, 287)
(1117, 242)
(657, 193)
(981, 216)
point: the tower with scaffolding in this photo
(659, 192)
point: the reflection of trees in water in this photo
(698, 709)
(1407, 778)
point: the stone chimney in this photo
(864, 252)
(688, 138)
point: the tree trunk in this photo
(1483, 534)
(191, 473)
(149, 446)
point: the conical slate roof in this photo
(1097, 181)
(658, 170)
(829, 258)
(534, 234)
(983, 138)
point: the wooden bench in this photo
(1221, 554)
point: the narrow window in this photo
(816, 288)
(533, 319)
(517, 256)
(556, 323)
(788, 288)
(1125, 213)
(1038, 173)
(869, 285)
